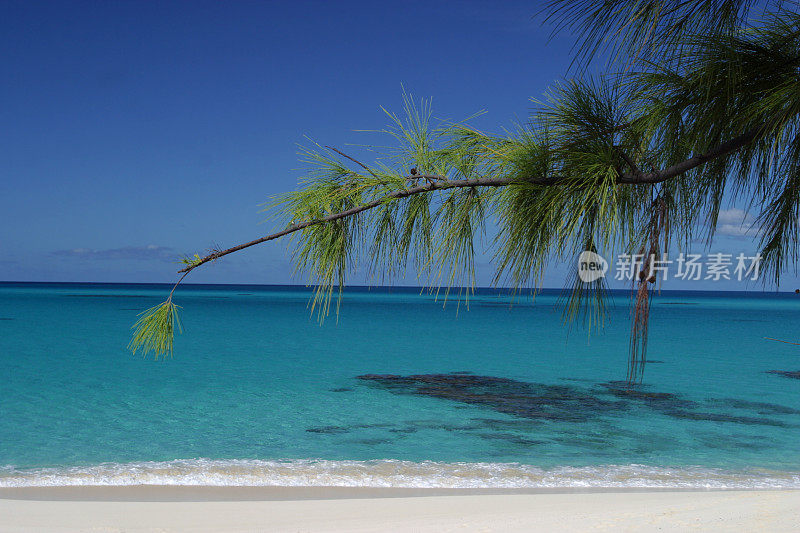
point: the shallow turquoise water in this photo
(259, 393)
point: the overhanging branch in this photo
(437, 182)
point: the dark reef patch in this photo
(339, 430)
(674, 406)
(442, 426)
(579, 380)
(5, 318)
(659, 401)
(786, 373)
(328, 430)
(505, 425)
(341, 389)
(533, 401)
(761, 408)
(719, 417)
(403, 430)
(532, 404)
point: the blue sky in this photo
(139, 131)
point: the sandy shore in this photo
(351, 510)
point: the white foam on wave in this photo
(392, 473)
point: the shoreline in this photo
(213, 493)
(207, 509)
(398, 475)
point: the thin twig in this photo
(627, 159)
(356, 161)
(176, 285)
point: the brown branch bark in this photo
(658, 176)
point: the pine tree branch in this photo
(441, 183)
(677, 169)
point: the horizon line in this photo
(354, 286)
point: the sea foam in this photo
(392, 473)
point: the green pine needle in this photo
(155, 330)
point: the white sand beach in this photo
(211, 509)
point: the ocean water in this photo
(400, 391)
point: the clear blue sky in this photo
(138, 131)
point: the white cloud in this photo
(151, 251)
(736, 223)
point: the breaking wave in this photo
(392, 473)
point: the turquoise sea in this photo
(400, 391)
